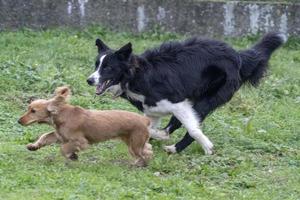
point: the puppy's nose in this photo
(90, 81)
(19, 121)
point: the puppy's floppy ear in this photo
(125, 51)
(54, 104)
(63, 91)
(101, 46)
(52, 108)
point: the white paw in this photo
(283, 37)
(170, 149)
(208, 147)
(158, 134)
(148, 146)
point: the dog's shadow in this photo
(94, 161)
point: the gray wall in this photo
(207, 18)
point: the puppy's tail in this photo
(255, 60)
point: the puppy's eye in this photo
(33, 111)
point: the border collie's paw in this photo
(32, 147)
(159, 134)
(170, 149)
(208, 147)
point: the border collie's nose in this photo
(19, 121)
(90, 81)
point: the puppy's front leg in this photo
(44, 140)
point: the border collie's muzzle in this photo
(102, 86)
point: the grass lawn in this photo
(256, 135)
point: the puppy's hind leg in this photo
(70, 148)
(147, 151)
(44, 140)
(126, 139)
(142, 151)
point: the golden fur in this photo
(76, 128)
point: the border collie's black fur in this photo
(205, 72)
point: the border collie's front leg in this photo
(155, 133)
(188, 117)
(187, 139)
(181, 145)
(173, 125)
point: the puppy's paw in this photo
(140, 163)
(148, 146)
(73, 157)
(148, 154)
(32, 147)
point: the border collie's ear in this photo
(63, 91)
(125, 51)
(101, 46)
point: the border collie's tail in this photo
(255, 60)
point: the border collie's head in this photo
(110, 67)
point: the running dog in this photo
(188, 79)
(77, 128)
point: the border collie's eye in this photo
(97, 64)
(107, 68)
(33, 111)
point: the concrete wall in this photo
(207, 18)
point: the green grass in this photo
(256, 135)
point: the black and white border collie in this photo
(188, 80)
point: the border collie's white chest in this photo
(162, 108)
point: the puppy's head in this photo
(37, 112)
(41, 110)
